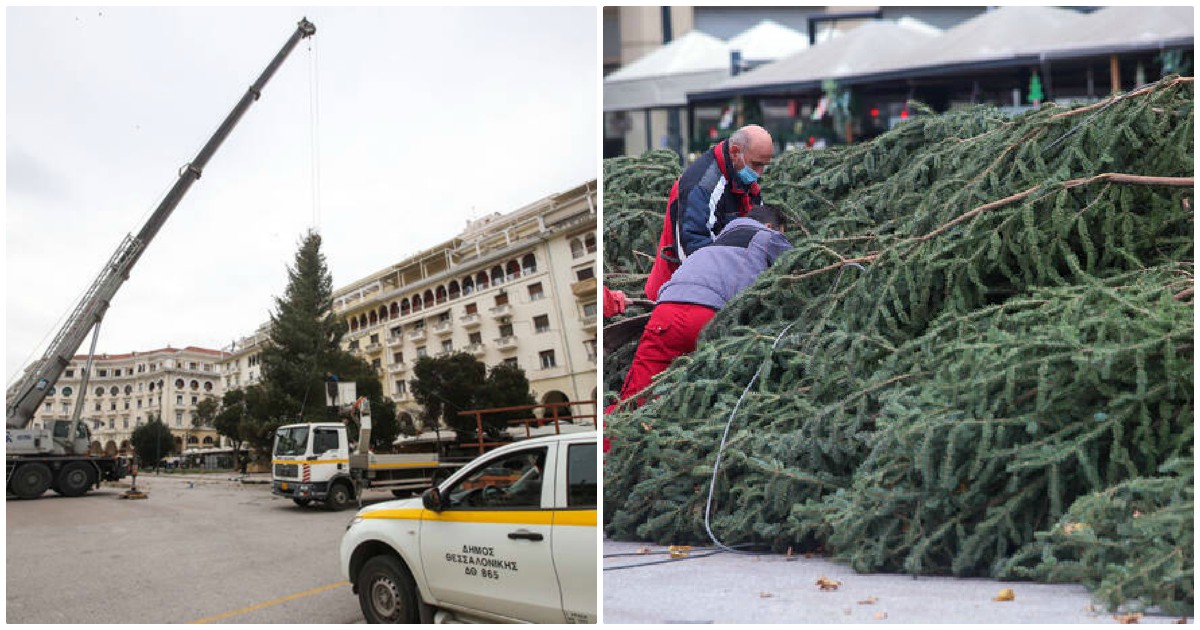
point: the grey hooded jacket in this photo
(713, 274)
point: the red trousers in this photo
(672, 331)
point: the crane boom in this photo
(26, 394)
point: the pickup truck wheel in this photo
(31, 480)
(301, 502)
(74, 479)
(386, 592)
(339, 497)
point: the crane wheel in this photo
(74, 479)
(29, 481)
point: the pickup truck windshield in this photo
(291, 441)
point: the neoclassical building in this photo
(511, 288)
(125, 389)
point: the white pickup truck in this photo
(511, 537)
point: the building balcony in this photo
(471, 320)
(403, 396)
(416, 334)
(397, 368)
(394, 339)
(373, 347)
(507, 343)
(504, 310)
(584, 288)
(588, 323)
(443, 328)
(476, 349)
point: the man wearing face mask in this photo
(720, 186)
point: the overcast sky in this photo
(387, 131)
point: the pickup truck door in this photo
(574, 544)
(490, 549)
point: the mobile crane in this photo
(57, 457)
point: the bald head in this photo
(751, 145)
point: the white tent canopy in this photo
(994, 35)
(665, 76)
(767, 41)
(859, 51)
(1116, 28)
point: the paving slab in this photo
(728, 588)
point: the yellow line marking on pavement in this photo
(242, 611)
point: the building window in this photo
(97, 406)
(375, 338)
(541, 323)
(447, 346)
(192, 365)
(178, 383)
(178, 418)
(501, 299)
(590, 346)
(69, 373)
(117, 372)
(195, 385)
(444, 317)
(126, 405)
(589, 309)
(576, 248)
(421, 352)
(354, 345)
(506, 330)
(401, 388)
(589, 242)
(124, 423)
(102, 372)
(128, 389)
(66, 407)
(99, 391)
(112, 406)
(375, 363)
(179, 400)
(535, 292)
(585, 273)
(471, 309)
(398, 357)
(67, 391)
(114, 390)
(475, 338)
(511, 361)
(194, 400)
(547, 359)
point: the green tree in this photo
(205, 413)
(459, 382)
(444, 386)
(506, 386)
(152, 441)
(256, 424)
(304, 339)
(228, 420)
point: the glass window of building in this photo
(547, 359)
(541, 323)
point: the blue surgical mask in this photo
(747, 175)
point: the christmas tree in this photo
(976, 361)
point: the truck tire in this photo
(29, 481)
(339, 497)
(74, 479)
(386, 592)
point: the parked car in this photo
(510, 537)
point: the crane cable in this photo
(314, 115)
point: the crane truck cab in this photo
(316, 462)
(511, 537)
